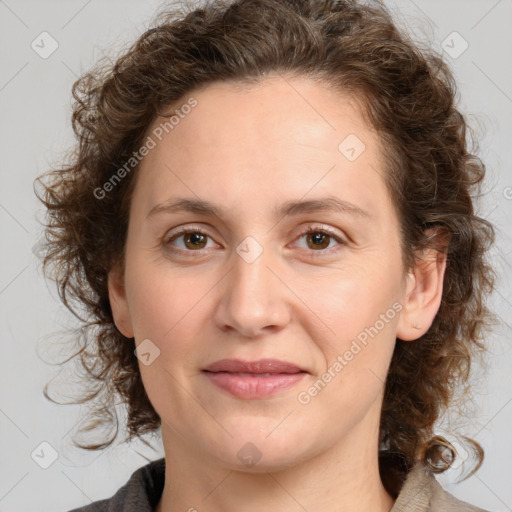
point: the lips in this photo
(263, 366)
(251, 380)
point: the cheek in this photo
(160, 299)
(356, 357)
(168, 308)
(348, 300)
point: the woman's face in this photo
(253, 286)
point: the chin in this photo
(260, 447)
(250, 459)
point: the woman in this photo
(269, 220)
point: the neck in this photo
(343, 477)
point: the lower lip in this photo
(254, 386)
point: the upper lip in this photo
(260, 366)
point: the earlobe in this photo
(119, 303)
(423, 293)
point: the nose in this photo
(254, 298)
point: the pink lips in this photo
(254, 379)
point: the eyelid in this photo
(315, 228)
(320, 227)
(184, 231)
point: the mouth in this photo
(254, 379)
(260, 367)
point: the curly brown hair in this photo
(408, 96)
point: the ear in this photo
(119, 302)
(424, 288)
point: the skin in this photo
(304, 301)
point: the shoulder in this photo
(141, 492)
(421, 492)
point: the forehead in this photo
(281, 102)
(242, 140)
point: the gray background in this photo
(36, 132)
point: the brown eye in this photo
(318, 240)
(193, 240)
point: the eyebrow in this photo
(287, 209)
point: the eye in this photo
(195, 239)
(320, 238)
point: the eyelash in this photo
(310, 230)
